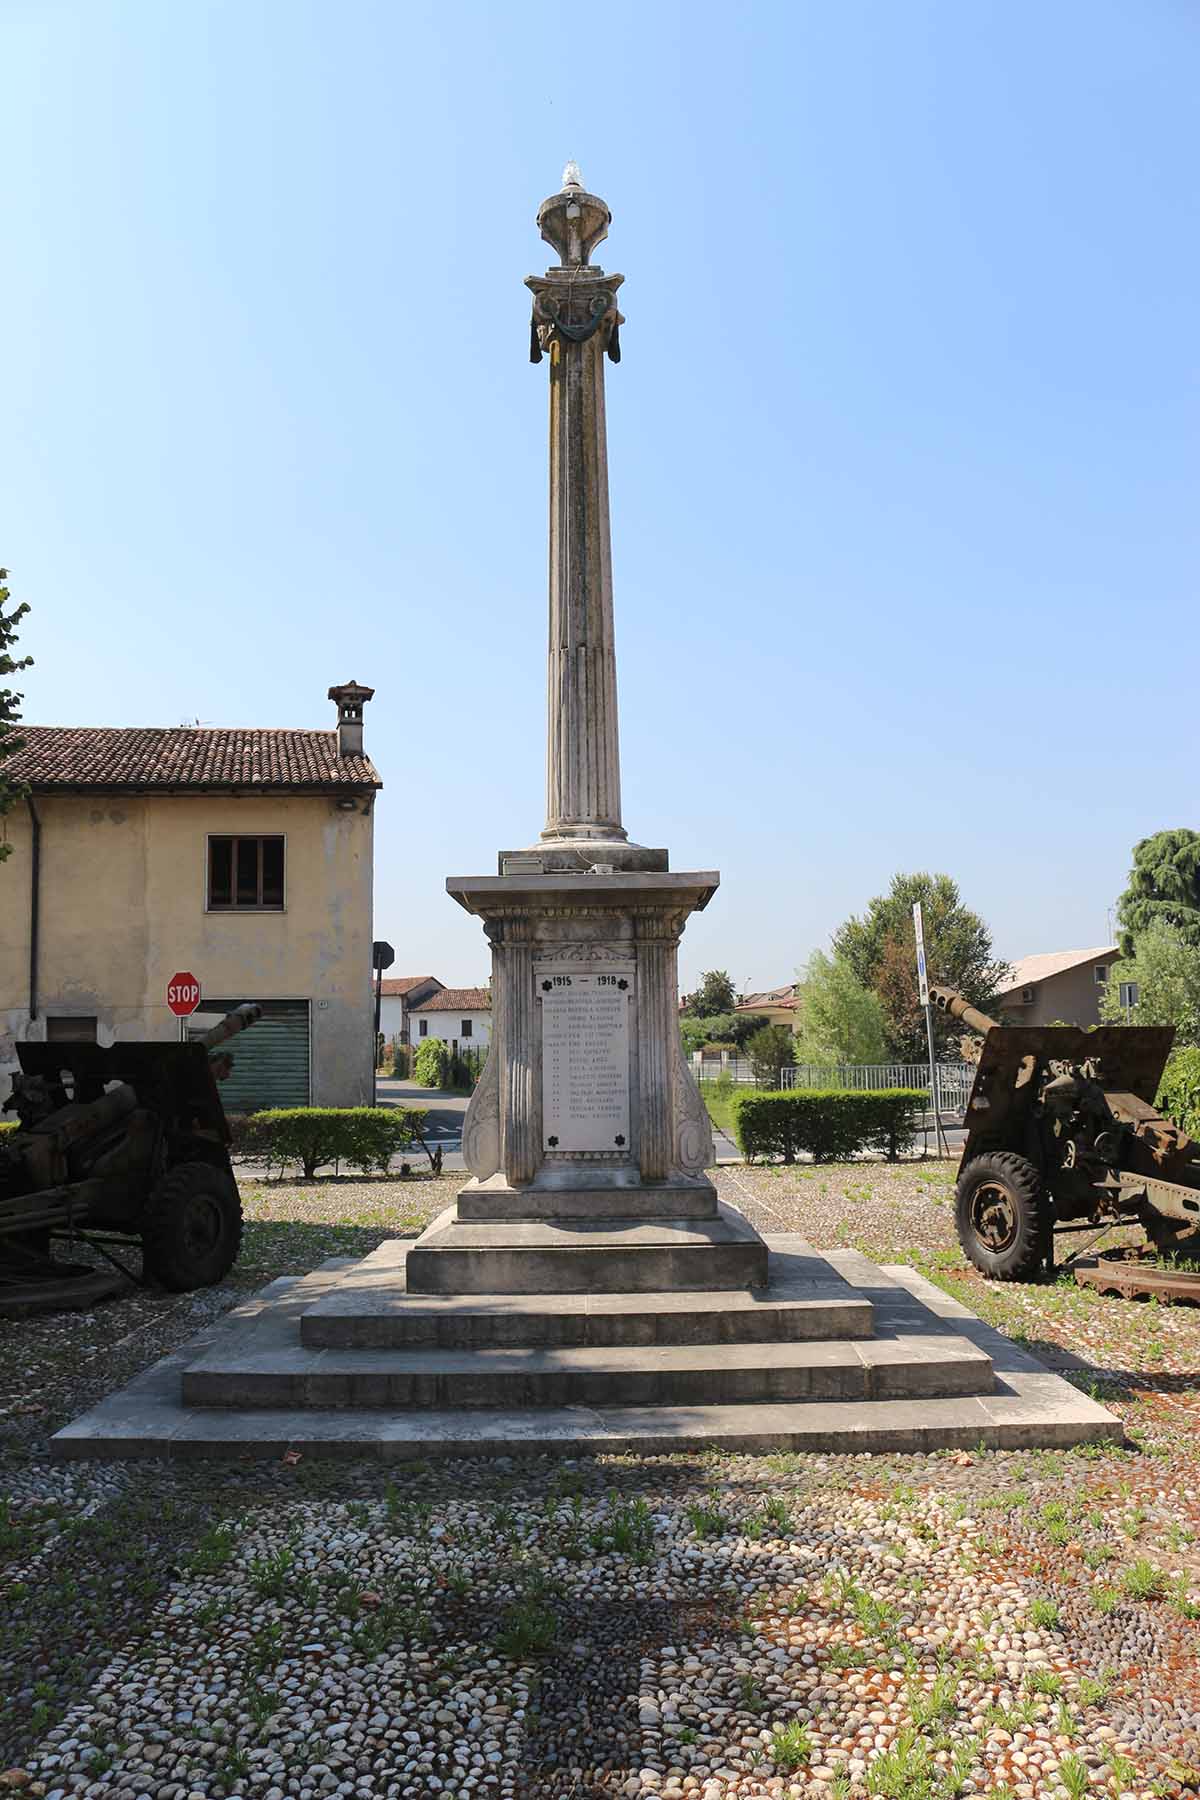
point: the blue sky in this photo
(903, 443)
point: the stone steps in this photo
(933, 1366)
(371, 1309)
(628, 1256)
(1027, 1407)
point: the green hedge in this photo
(1179, 1093)
(431, 1064)
(363, 1137)
(830, 1126)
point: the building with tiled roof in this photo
(461, 1017)
(240, 857)
(777, 1005)
(171, 759)
(1057, 985)
(399, 994)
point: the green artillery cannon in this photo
(1062, 1132)
(119, 1145)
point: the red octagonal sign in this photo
(183, 993)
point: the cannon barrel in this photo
(240, 1019)
(949, 1000)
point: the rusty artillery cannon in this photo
(120, 1144)
(1063, 1133)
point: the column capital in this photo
(572, 305)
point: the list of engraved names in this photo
(585, 1057)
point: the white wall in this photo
(448, 1027)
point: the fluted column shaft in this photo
(657, 941)
(520, 1147)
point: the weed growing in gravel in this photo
(1093, 1691)
(1074, 1775)
(1044, 1682)
(1065, 1722)
(752, 1697)
(1142, 1581)
(215, 1550)
(1095, 1554)
(707, 1522)
(791, 1745)
(527, 1628)
(936, 1705)
(905, 1770)
(1122, 1770)
(268, 1574)
(1179, 1594)
(628, 1529)
(1105, 1600)
(1044, 1616)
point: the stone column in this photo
(520, 1148)
(575, 320)
(657, 935)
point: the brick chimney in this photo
(350, 700)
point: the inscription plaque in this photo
(585, 1056)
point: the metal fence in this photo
(954, 1079)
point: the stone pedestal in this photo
(586, 1138)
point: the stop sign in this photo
(183, 993)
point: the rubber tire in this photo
(1021, 1259)
(167, 1254)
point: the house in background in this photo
(398, 997)
(461, 1017)
(241, 857)
(778, 1006)
(1057, 984)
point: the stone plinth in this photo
(586, 1138)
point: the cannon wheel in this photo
(192, 1230)
(1002, 1215)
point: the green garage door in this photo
(270, 1061)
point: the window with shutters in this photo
(245, 874)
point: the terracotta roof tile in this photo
(457, 1000)
(186, 756)
(399, 985)
(780, 996)
(1040, 967)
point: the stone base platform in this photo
(372, 1309)
(275, 1396)
(585, 1256)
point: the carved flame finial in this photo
(571, 176)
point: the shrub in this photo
(770, 1049)
(365, 1137)
(831, 1126)
(1179, 1094)
(431, 1063)
(402, 1059)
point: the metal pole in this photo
(943, 1147)
(375, 1039)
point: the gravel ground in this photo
(1019, 1624)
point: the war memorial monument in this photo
(588, 1290)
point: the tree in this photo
(769, 1050)
(880, 948)
(1163, 888)
(714, 995)
(840, 1020)
(1166, 968)
(10, 741)
(720, 1028)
